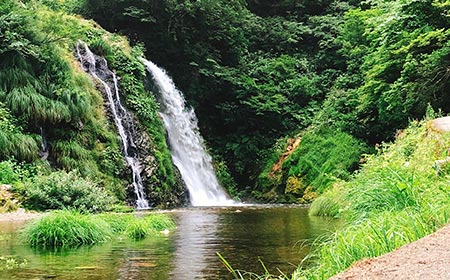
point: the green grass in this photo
(245, 275)
(143, 227)
(371, 238)
(327, 205)
(396, 198)
(69, 229)
(117, 222)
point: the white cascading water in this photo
(186, 144)
(97, 66)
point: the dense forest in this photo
(340, 77)
(328, 102)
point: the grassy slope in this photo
(397, 197)
(38, 61)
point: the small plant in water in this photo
(67, 229)
(8, 263)
(244, 275)
(141, 228)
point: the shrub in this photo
(62, 190)
(66, 229)
(7, 172)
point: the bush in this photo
(62, 190)
(66, 229)
(7, 172)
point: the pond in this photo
(279, 236)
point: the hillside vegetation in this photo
(341, 76)
(261, 72)
(298, 101)
(400, 195)
(57, 145)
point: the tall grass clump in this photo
(66, 229)
(330, 204)
(370, 238)
(140, 228)
(398, 196)
(69, 229)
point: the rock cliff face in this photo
(145, 186)
(177, 196)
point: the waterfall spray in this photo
(186, 144)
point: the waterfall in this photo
(186, 144)
(43, 152)
(97, 67)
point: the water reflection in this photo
(195, 241)
(242, 235)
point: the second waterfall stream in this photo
(97, 67)
(186, 144)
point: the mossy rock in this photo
(294, 185)
(308, 196)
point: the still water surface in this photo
(243, 235)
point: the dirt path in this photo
(427, 258)
(19, 215)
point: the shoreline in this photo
(426, 258)
(20, 215)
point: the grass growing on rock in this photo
(69, 229)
